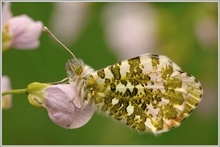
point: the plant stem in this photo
(16, 91)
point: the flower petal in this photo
(25, 32)
(60, 118)
(82, 116)
(60, 99)
(7, 99)
(6, 13)
(65, 107)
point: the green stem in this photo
(16, 91)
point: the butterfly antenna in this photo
(47, 31)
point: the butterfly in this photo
(148, 93)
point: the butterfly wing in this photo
(149, 93)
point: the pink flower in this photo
(63, 103)
(207, 32)
(19, 32)
(130, 28)
(77, 16)
(6, 100)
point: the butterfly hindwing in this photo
(149, 93)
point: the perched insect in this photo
(149, 93)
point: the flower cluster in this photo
(19, 32)
(63, 102)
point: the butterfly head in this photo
(74, 67)
(77, 69)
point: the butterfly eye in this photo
(78, 70)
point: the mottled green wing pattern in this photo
(149, 93)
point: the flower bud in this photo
(36, 94)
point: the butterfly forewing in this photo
(149, 93)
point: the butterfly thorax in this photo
(78, 73)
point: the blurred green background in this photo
(24, 124)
